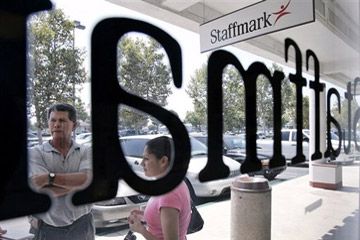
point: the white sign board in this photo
(255, 20)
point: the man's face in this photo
(60, 125)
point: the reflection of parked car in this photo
(127, 132)
(133, 147)
(288, 144)
(260, 135)
(32, 139)
(83, 138)
(235, 148)
(346, 135)
(83, 135)
(114, 212)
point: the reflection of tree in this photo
(143, 72)
(234, 100)
(56, 64)
(197, 92)
(342, 116)
(265, 100)
(306, 123)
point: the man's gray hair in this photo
(63, 107)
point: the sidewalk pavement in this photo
(299, 212)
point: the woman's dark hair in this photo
(63, 107)
(160, 146)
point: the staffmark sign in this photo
(255, 20)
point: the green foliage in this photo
(234, 100)
(196, 119)
(341, 115)
(264, 103)
(265, 100)
(81, 112)
(306, 123)
(55, 63)
(197, 92)
(142, 70)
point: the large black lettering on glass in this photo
(215, 167)
(356, 118)
(16, 198)
(299, 82)
(254, 71)
(330, 151)
(109, 163)
(349, 97)
(317, 87)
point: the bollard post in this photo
(250, 209)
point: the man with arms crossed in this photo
(59, 167)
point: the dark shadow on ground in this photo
(349, 189)
(204, 200)
(107, 230)
(348, 231)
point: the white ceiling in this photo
(334, 36)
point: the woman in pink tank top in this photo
(167, 216)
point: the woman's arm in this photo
(136, 224)
(170, 223)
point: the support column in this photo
(322, 174)
(312, 109)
